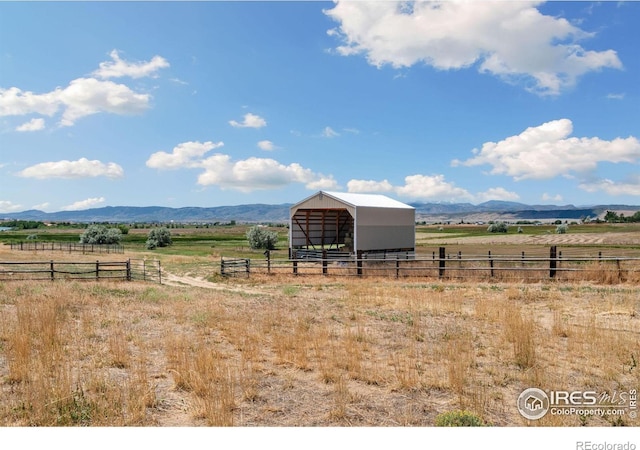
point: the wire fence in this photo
(442, 265)
(129, 270)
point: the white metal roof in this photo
(372, 200)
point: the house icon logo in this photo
(533, 403)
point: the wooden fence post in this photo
(52, 271)
(552, 261)
(441, 262)
(491, 263)
(359, 262)
(129, 270)
(97, 270)
(324, 262)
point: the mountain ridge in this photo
(260, 212)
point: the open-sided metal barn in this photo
(356, 223)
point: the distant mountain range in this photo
(255, 213)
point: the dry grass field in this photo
(279, 350)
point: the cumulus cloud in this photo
(32, 125)
(6, 206)
(498, 193)
(266, 146)
(429, 188)
(548, 151)
(244, 175)
(118, 67)
(84, 204)
(629, 187)
(184, 155)
(512, 40)
(82, 168)
(368, 186)
(250, 121)
(84, 96)
(258, 174)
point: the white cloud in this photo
(32, 125)
(429, 187)
(6, 206)
(84, 204)
(551, 198)
(498, 193)
(15, 102)
(329, 132)
(547, 151)
(258, 174)
(245, 175)
(82, 168)
(615, 96)
(85, 96)
(250, 121)
(266, 146)
(42, 206)
(184, 155)
(630, 187)
(512, 40)
(120, 68)
(369, 186)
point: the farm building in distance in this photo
(360, 224)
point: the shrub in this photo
(260, 238)
(100, 234)
(158, 237)
(498, 227)
(562, 229)
(459, 419)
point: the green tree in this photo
(158, 237)
(100, 234)
(261, 238)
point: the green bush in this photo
(100, 234)
(562, 229)
(498, 227)
(459, 419)
(158, 237)
(261, 238)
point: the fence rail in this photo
(600, 268)
(69, 247)
(95, 270)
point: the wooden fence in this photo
(96, 270)
(442, 265)
(69, 247)
(235, 266)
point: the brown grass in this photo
(285, 351)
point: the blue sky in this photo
(223, 103)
